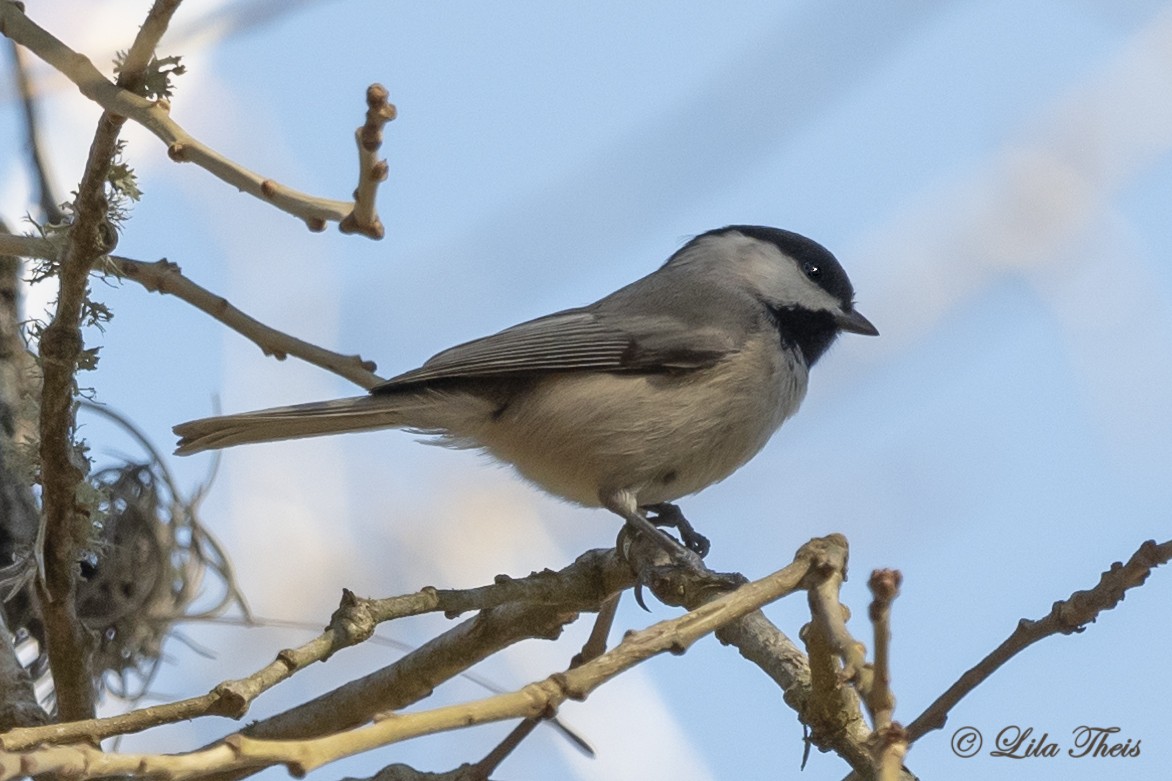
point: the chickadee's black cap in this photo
(829, 273)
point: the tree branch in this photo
(181, 145)
(51, 211)
(241, 753)
(371, 171)
(165, 277)
(65, 529)
(891, 743)
(1068, 616)
(579, 586)
(65, 525)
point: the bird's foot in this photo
(675, 574)
(670, 515)
(687, 554)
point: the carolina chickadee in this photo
(654, 392)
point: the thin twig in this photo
(485, 767)
(167, 278)
(884, 585)
(594, 647)
(1067, 616)
(181, 145)
(595, 644)
(890, 738)
(371, 171)
(830, 615)
(51, 211)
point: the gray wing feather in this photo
(574, 340)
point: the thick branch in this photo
(580, 586)
(242, 753)
(532, 607)
(837, 726)
(66, 529)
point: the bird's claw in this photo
(668, 514)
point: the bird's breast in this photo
(582, 435)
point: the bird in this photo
(648, 395)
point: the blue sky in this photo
(995, 176)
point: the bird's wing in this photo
(575, 340)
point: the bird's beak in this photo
(855, 323)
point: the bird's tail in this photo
(358, 413)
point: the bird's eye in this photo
(813, 270)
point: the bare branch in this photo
(510, 610)
(1068, 616)
(594, 647)
(891, 743)
(836, 723)
(243, 753)
(584, 584)
(165, 277)
(371, 171)
(65, 528)
(181, 145)
(47, 198)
